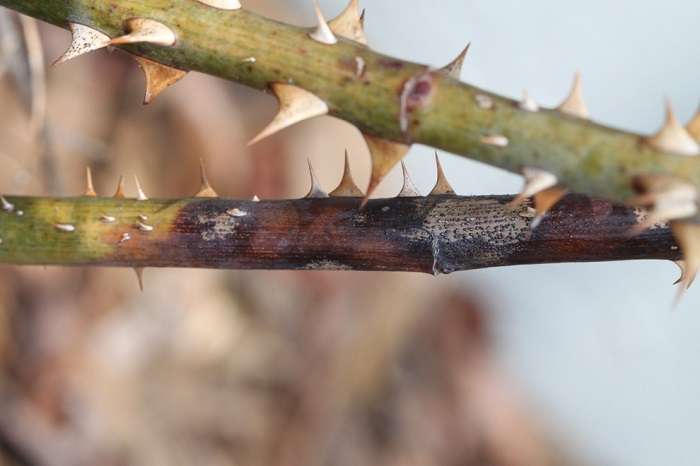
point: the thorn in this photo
(222, 4)
(385, 155)
(409, 189)
(141, 196)
(89, 187)
(687, 235)
(144, 30)
(295, 105)
(669, 198)
(119, 194)
(454, 68)
(442, 186)
(316, 191)
(673, 137)
(684, 272)
(323, 33)
(158, 77)
(255, 198)
(85, 40)
(574, 104)
(694, 126)
(528, 103)
(139, 276)
(6, 205)
(544, 201)
(536, 181)
(350, 23)
(205, 189)
(347, 186)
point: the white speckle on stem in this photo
(145, 228)
(107, 219)
(6, 205)
(65, 227)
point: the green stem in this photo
(586, 157)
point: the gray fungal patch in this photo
(220, 226)
(482, 233)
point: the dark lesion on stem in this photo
(437, 235)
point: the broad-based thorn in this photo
(673, 137)
(322, 33)
(145, 30)
(140, 195)
(687, 235)
(316, 191)
(574, 104)
(536, 180)
(158, 77)
(84, 40)
(255, 198)
(295, 105)
(454, 68)
(544, 201)
(385, 154)
(408, 189)
(350, 23)
(442, 186)
(205, 189)
(694, 126)
(347, 186)
(667, 197)
(120, 192)
(89, 186)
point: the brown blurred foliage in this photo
(218, 368)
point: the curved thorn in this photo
(222, 4)
(141, 196)
(84, 40)
(316, 191)
(687, 235)
(385, 155)
(205, 189)
(295, 105)
(454, 68)
(323, 33)
(408, 189)
(442, 186)
(673, 137)
(350, 23)
(347, 186)
(683, 270)
(119, 193)
(144, 30)
(89, 186)
(574, 103)
(536, 180)
(158, 77)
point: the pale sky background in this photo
(596, 348)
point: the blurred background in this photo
(542, 365)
